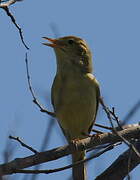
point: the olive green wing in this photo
(52, 92)
(97, 88)
(56, 93)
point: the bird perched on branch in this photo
(75, 93)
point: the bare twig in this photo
(108, 112)
(102, 126)
(106, 109)
(23, 144)
(97, 131)
(115, 117)
(32, 91)
(88, 143)
(5, 7)
(8, 3)
(97, 148)
(119, 168)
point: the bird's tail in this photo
(79, 171)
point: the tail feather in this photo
(79, 171)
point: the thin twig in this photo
(119, 168)
(102, 126)
(32, 91)
(5, 7)
(129, 144)
(97, 148)
(8, 3)
(115, 117)
(23, 144)
(96, 131)
(106, 109)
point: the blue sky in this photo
(111, 29)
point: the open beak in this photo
(53, 42)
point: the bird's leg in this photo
(74, 142)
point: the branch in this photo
(109, 115)
(8, 3)
(110, 147)
(32, 91)
(23, 144)
(5, 7)
(119, 168)
(20, 163)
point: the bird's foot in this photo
(75, 142)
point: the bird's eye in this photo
(70, 41)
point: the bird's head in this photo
(71, 50)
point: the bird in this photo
(75, 93)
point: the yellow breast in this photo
(75, 104)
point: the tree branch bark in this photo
(42, 157)
(120, 168)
